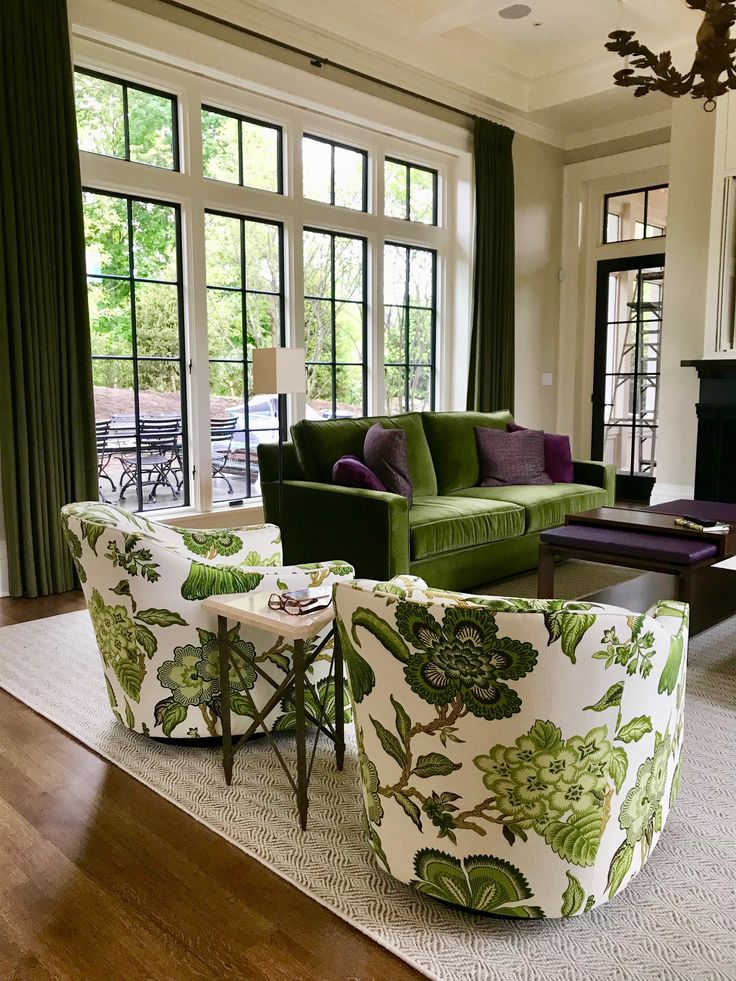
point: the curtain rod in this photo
(314, 60)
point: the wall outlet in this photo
(547, 378)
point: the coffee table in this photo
(681, 561)
(252, 609)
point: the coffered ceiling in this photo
(549, 67)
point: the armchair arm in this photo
(369, 528)
(675, 618)
(596, 474)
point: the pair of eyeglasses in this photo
(296, 607)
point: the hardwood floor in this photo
(103, 880)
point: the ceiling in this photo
(549, 68)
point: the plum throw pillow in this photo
(557, 455)
(349, 471)
(510, 458)
(384, 451)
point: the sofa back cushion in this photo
(320, 443)
(451, 439)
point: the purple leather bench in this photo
(678, 556)
(630, 544)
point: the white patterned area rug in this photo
(676, 922)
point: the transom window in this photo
(119, 119)
(242, 151)
(637, 214)
(335, 323)
(245, 310)
(410, 192)
(334, 173)
(138, 361)
(409, 278)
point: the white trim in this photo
(671, 492)
(584, 185)
(4, 576)
(619, 131)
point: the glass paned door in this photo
(627, 363)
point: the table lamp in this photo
(279, 371)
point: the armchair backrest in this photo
(529, 745)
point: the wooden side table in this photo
(251, 609)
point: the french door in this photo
(628, 345)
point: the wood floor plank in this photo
(101, 879)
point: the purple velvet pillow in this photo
(510, 458)
(384, 451)
(348, 471)
(557, 455)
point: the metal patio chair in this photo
(222, 439)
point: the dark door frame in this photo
(604, 268)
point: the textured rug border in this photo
(381, 941)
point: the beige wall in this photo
(538, 174)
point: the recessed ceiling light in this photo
(515, 12)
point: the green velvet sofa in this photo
(456, 535)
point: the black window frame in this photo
(241, 118)
(126, 84)
(245, 292)
(334, 364)
(335, 144)
(135, 358)
(435, 190)
(407, 307)
(622, 194)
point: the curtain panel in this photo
(47, 433)
(491, 373)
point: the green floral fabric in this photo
(144, 583)
(517, 757)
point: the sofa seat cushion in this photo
(546, 505)
(446, 524)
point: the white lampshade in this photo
(279, 371)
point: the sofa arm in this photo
(370, 529)
(596, 474)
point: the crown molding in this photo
(619, 131)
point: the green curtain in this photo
(47, 436)
(491, 374)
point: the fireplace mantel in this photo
(713, 367)
(715, 462)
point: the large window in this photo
(409, 279)
(245, 310)
(135, 303)
(335, 323)
(241, 150)
(247, 230)
(120, 119)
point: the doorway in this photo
(628, 348)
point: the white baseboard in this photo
(671, 492)
(4, 582)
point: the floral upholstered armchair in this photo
(144, 583)
(517, 757)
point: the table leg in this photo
(339, 700)
(301, 745)
(546, 573)
(227, 741)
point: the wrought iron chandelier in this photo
(714, 58)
